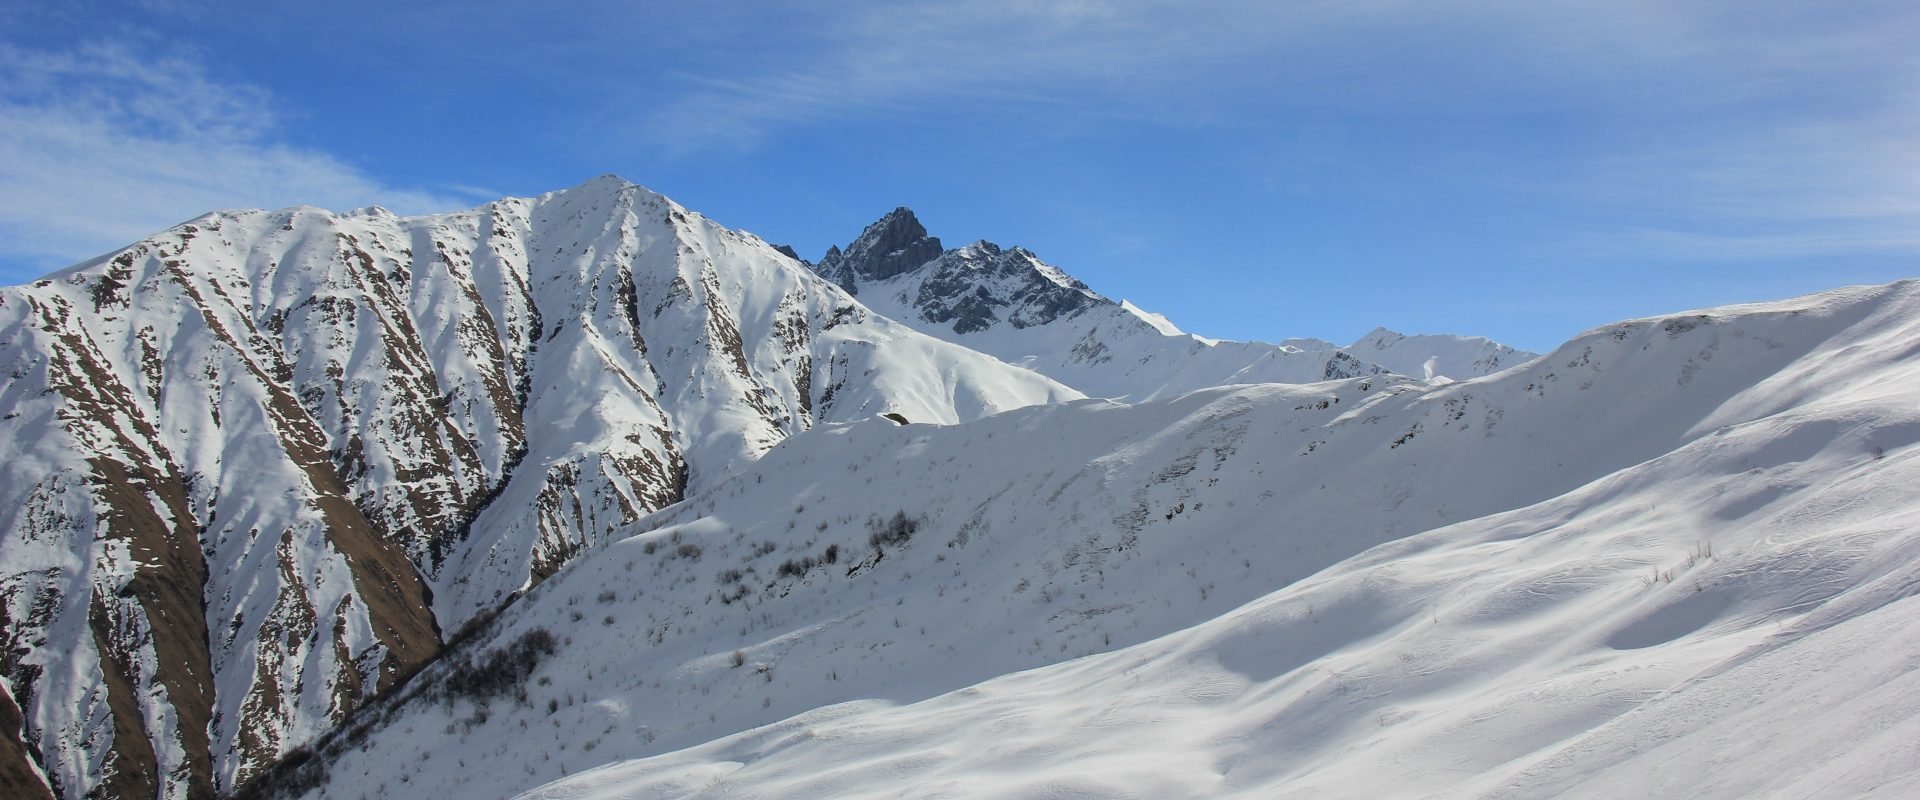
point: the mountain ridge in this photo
(1009, 303)
(1233, 592)
(324, 442)
(295, 497)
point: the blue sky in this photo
(1520, 170)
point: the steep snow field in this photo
(1674, 557)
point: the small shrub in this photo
(472, 629)
(890, 532)
(503, 669)
(688, 550)
(737, 659)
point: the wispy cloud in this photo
(1836, 187)
(1111, 57)
(1695, 245)
(863, 58)
(1718, 121)
(106, 143)
(1711, 116)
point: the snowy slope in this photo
(252, 468)
(1568, 578)
(1010, 304)
(1430, 356)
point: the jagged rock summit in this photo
(894, 244)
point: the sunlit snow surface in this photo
(1675, 557)
(478, 395)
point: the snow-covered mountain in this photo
(254, 469)
(584, 495)
(1010, 304)
(1676, 557)
(1431, 357)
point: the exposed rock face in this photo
(979, 285)
(893, 245)
(1250, 572)
(19, 777)
(253, 467)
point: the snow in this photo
(1436, 356)
(1159, 322)
(1573, 578)
(1010, 304)
(1107, 351)
(1676, 556)
(575, 358)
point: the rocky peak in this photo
(980, 285)
(893, 245)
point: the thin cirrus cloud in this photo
(868, 59)
(1714, 130)
(1086, 56)
(1802, 192)
(1701, 246)
(103, 144)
